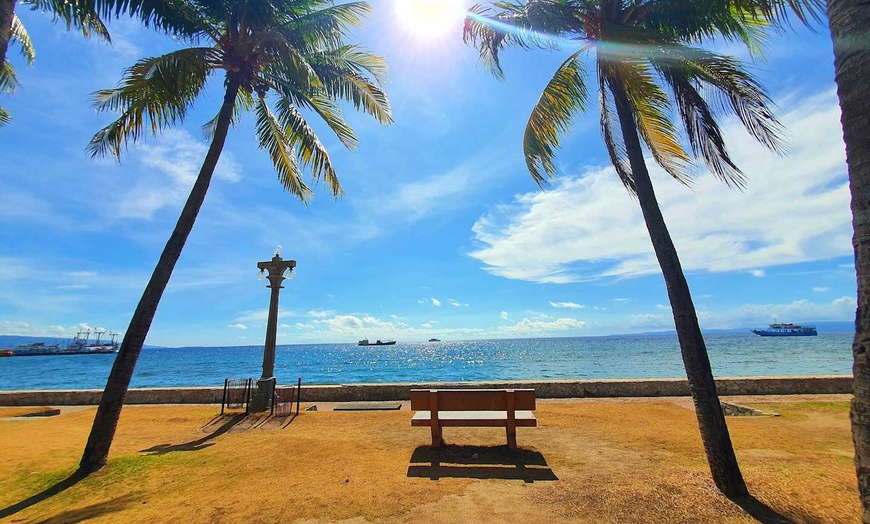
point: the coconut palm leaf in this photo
(81, 14)
(8, 80)
(612, 135)
(274, 140)
(307, 146)
(158, 90)
(19, 34)
(5, 117)
(564, 96)
(651, 108)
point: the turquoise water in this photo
(629, 356)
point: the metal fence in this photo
(284, 398)
(237, 394)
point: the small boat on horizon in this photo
(788, 329)
(434, 340)
(365, 342)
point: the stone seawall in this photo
(370, 392)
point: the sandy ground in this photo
(590, 460)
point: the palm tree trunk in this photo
(711, 419)
(849, 20)
(7, 9)
(106, 421)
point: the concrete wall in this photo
(368, 392)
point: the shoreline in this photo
(601, 388)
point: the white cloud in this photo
(172, 161)
(568, 305)
(436, 302)
(820, 289)
(320, 314)
(237, 326)
(527, 326)
(662, 306)
(620, 300)
(505, 315)
(795, 209)
(757, 273)
(456, 303)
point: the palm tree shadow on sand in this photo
(767, 515)
(479, 462)
(51, 491)
(226, 423)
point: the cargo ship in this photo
(78, 346)
(365, 342)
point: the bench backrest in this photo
(472, 399)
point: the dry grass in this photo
(589, 461)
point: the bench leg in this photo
(436, 436)
(512, 438)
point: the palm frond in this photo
(743, 94)
(612, 135)
(304, 141)
(244, 103)
(650, 107)
(8, 81)
(362, 93)
(325, 27)
(564, 96)
(155, 90)
(705, 137)
(490, 32)
(81, 14)
(273, 140)
(5, 117)
(328, 110)
(19, 34)
(778, 11)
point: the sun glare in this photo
(429, 18)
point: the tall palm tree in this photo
(648, 67)
(849, 20)
(289, 51)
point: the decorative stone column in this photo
(278, 270)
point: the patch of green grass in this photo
(41, 480)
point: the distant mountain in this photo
(10, 341)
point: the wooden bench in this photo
(508, 408)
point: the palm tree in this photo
(292, 51)
(648, 68)
(849, 20)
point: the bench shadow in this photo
(479, 462)
(51, 491)
(201, 443)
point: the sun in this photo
(429, 18)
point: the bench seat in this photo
(483, 419)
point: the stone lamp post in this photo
(278, 270)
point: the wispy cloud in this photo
(435, 302)
(456, 303)
(237, 326)
(567, 305)
(587, 227)
(757, 273)
(505, 315)
(820, 289)
(172, 161)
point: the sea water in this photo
(613, 357)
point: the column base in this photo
(261, 400)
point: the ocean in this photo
(612, 357)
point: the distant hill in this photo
(10, 341)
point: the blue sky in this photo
(442, 232)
